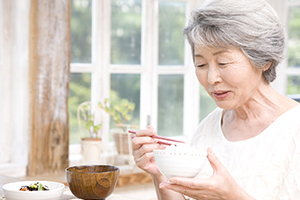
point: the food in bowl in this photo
(12, 191)
(34, 187)
(180, 161)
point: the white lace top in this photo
(266, 166)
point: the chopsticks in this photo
(160, 137)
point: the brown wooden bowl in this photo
(92, 181)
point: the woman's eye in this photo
(223, 64)
(202, 65)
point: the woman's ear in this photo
(266, 67)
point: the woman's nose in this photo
(213, 76)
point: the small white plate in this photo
(11, 191)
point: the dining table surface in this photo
(67, 195)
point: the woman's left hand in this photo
(221, 185)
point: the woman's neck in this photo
(253, 117)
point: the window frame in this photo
(101, 68)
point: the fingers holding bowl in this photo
(193, 192)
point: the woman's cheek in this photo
(200, 73)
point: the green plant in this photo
(118, 110)
(91, 127)
(88, 117)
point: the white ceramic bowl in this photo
(11, 191)
(179, 164)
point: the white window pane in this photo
(79, 92)
(294, 37)
(170, 105)
(81, 31)
(126, 31)
(207, 104)
(126, 86)
(293, 85)
(171, 39)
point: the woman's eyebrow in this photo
(215, 53)
(220, 52)
(198, 55)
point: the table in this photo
(67, 195)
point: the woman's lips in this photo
(220, 94)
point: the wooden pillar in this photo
(49, 60)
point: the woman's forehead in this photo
(199, 50)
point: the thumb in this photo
(214, 160)
(150, 127)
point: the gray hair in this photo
(249, 25)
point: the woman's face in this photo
(227, 75)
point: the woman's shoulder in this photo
(296, 108)
(288, 125)
(292, 115)
(294, 121)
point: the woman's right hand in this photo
(143, 146)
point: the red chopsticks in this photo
(160, 137)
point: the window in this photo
(126, 22)
(125, 54)
(79, 91)
(171, 41)
(170, 104)
(134, 49)
(170, 56)
(81, 29)
(127, 86)
(81, 52)
(293, 71)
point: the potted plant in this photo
(89, 126)
(119, 111)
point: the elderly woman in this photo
(253, 137)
